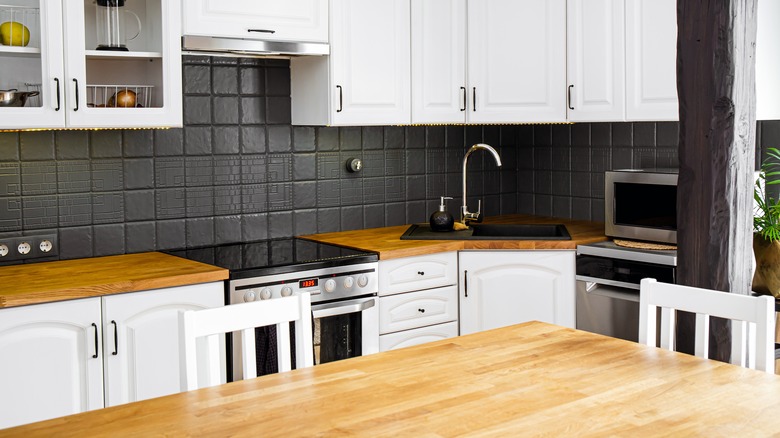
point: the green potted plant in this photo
(766, 227)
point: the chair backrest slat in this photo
(753, 320)
(212, 324)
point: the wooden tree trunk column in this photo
(716, 91)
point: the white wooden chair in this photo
(752, 320)
(214, 323)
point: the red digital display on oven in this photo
(307, 283)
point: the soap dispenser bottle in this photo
(442, 220)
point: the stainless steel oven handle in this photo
(607, 282)
(343, 307)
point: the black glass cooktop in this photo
(268, 257)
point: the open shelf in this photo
(19, 51)
(108, 54)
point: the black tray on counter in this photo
(490, 232)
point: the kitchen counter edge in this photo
(387, 243)
(39, 283)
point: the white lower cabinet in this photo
(418, 300)
(407, 338)
(85, 354)
(51, 361)
(501, 288)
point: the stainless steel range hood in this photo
(250, 48)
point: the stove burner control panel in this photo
(322, 284)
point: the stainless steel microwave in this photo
(641, 204)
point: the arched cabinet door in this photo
(52, 361)
(501, 288)
(143, 330)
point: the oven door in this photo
(345, 329)
(342, 329)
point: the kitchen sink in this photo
(491, 232)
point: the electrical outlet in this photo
(28, 247)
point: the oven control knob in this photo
(250, 296)
(349, 282)
(362, 280)
(330, 285)
(286, 291)
(265, 294)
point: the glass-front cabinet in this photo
(90, 63)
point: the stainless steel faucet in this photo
(465, 215)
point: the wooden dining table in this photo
(527, 379)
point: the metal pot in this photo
(13, 97)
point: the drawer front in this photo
(423, 335)
(418, 309)
(417, 273)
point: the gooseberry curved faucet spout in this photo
(465, 214)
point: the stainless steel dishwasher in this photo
(608, 279)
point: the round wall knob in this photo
(349, 282)
(265, 294)
(249, 296)
(286, 291)
(330, 285)
(362, 281)
(354, 164)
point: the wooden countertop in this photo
(386, 241)
(81, 278)
(532, 378)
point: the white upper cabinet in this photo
(83, 87)
(596, 60)
(488, 61)
(439, 88)
(274, 20)
(366, 78)
(516, 61)
(651, 60)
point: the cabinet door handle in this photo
(77, 94)
(341, 98)
(466, 283)
(116, 339)
(94, 356)
(261, 30)
(569, 97)
(474, 99)
(465, 98)
(57, 80)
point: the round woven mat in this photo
(642, 245)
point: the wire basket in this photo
(119, 96)
(12, 34)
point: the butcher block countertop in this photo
(37, 283)
(528, 379)
(386, 241)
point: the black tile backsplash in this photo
(238, 170)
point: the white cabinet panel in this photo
(418, 336)
(517, 60)
(366, 78)
(768, 61)
(596, 60)
(651, 60)
(143, 329)
(439, 93)
(500, 288)
(289, 20)
(418, 309)
(417, 273)
(52, 361)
